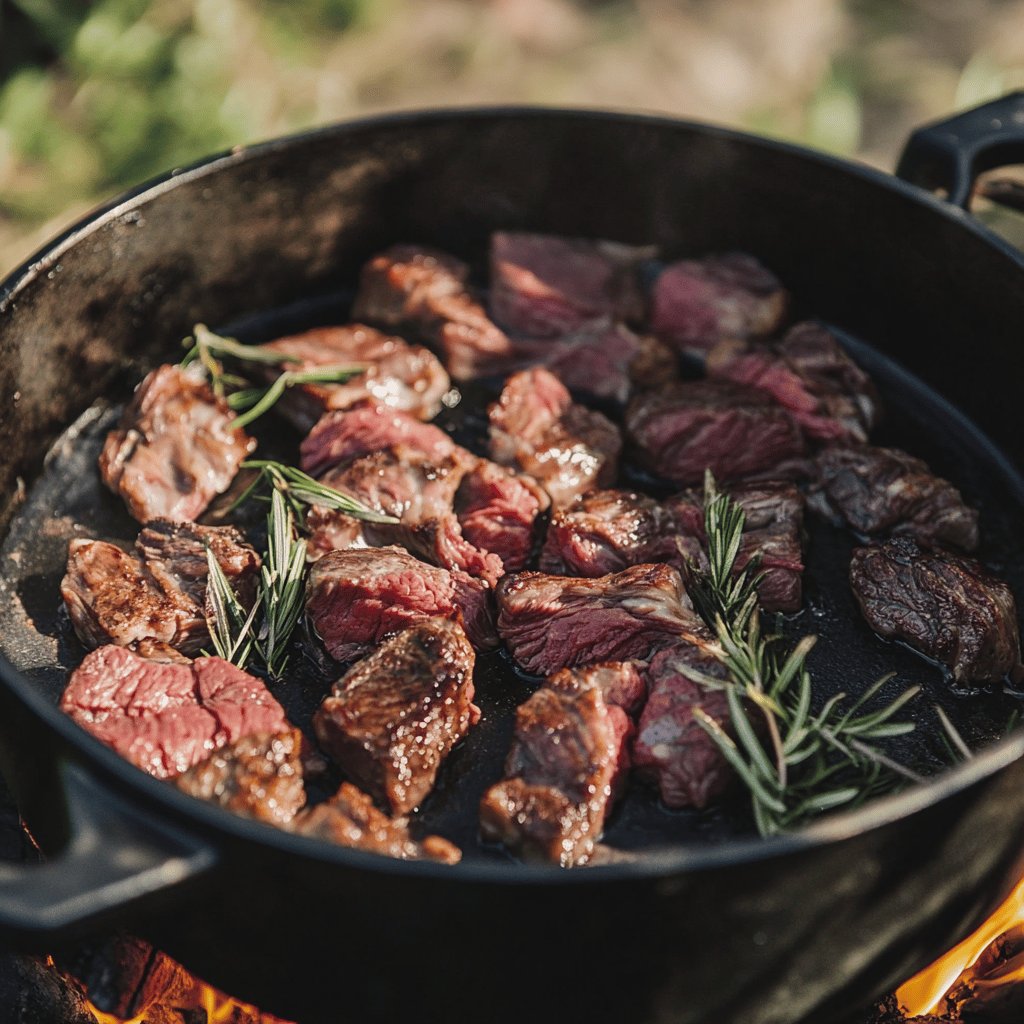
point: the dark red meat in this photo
(671, 749)
(697, 303)
(549, 622)
(258, 776)
(692, 426)
(886, 491)
(947, 607)
(397, 375)
(173, 450)
(808, 373)
(546, 285)
(536, 426)
(394, 717)
(350, 819)
(166, 717)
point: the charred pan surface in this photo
(397, 375)
(161, 470)
(946, 606)
(166, 717)
(393, 718)
(549, 622)
(258, 776)
(536, 426)
(350, 819)
(878, 491)
(731, 429)
(568, 756)
(671, 749)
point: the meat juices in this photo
(536, 426)
(948, 607)
(166, 717)
(692, 426)
(550, 622)
(394, 717)
(567, 761)
(160, 470)
(885, 491)
(396, 375)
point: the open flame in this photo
(987, 961)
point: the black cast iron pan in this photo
(704, 923)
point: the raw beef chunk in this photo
(885, 491)
(166, 717)
(553, 621)
(697, 303)
(692, 426)
(174, 449)
(394, 717)
(947, 607)
(536, 426)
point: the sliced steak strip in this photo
(166, 717)
(356, 598)
(350, 819)
(397, 375)
(947, 607)
(733, 430)
(808, 372)
(547, 285)
(536, 426)
(883, 490)
(394, 717)
(258, 776)
(671, 748)
(568, 753)
(549, 622)
(345, 434)
(173, 450)
(697, 303)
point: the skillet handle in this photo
(116, 859)
(950, 154)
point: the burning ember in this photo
(981, 979)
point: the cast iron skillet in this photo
(800, 927)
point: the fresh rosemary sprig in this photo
(210, 349)
(795, 762)
(300, 490)
(229, 623)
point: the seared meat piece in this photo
(397, 375)
(697, 303)
(691, 426)
(553, 621)
(350, 819)
(884, 490)
(567, 756)
(671, 749)
(607, 531)
(498, 510)
(165, 717)
(809, 374)
(344, 435)
(547, 286)
(173, 450)
(949, 608)
(621, 683)
(394, 717)
(356, 598)
(112, 597)
(259, 776)
(536, 426)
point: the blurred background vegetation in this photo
(96, 96)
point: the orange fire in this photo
(925, 993)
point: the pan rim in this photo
(654, 863)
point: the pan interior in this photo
(67, 500)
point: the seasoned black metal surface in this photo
(68, 500)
